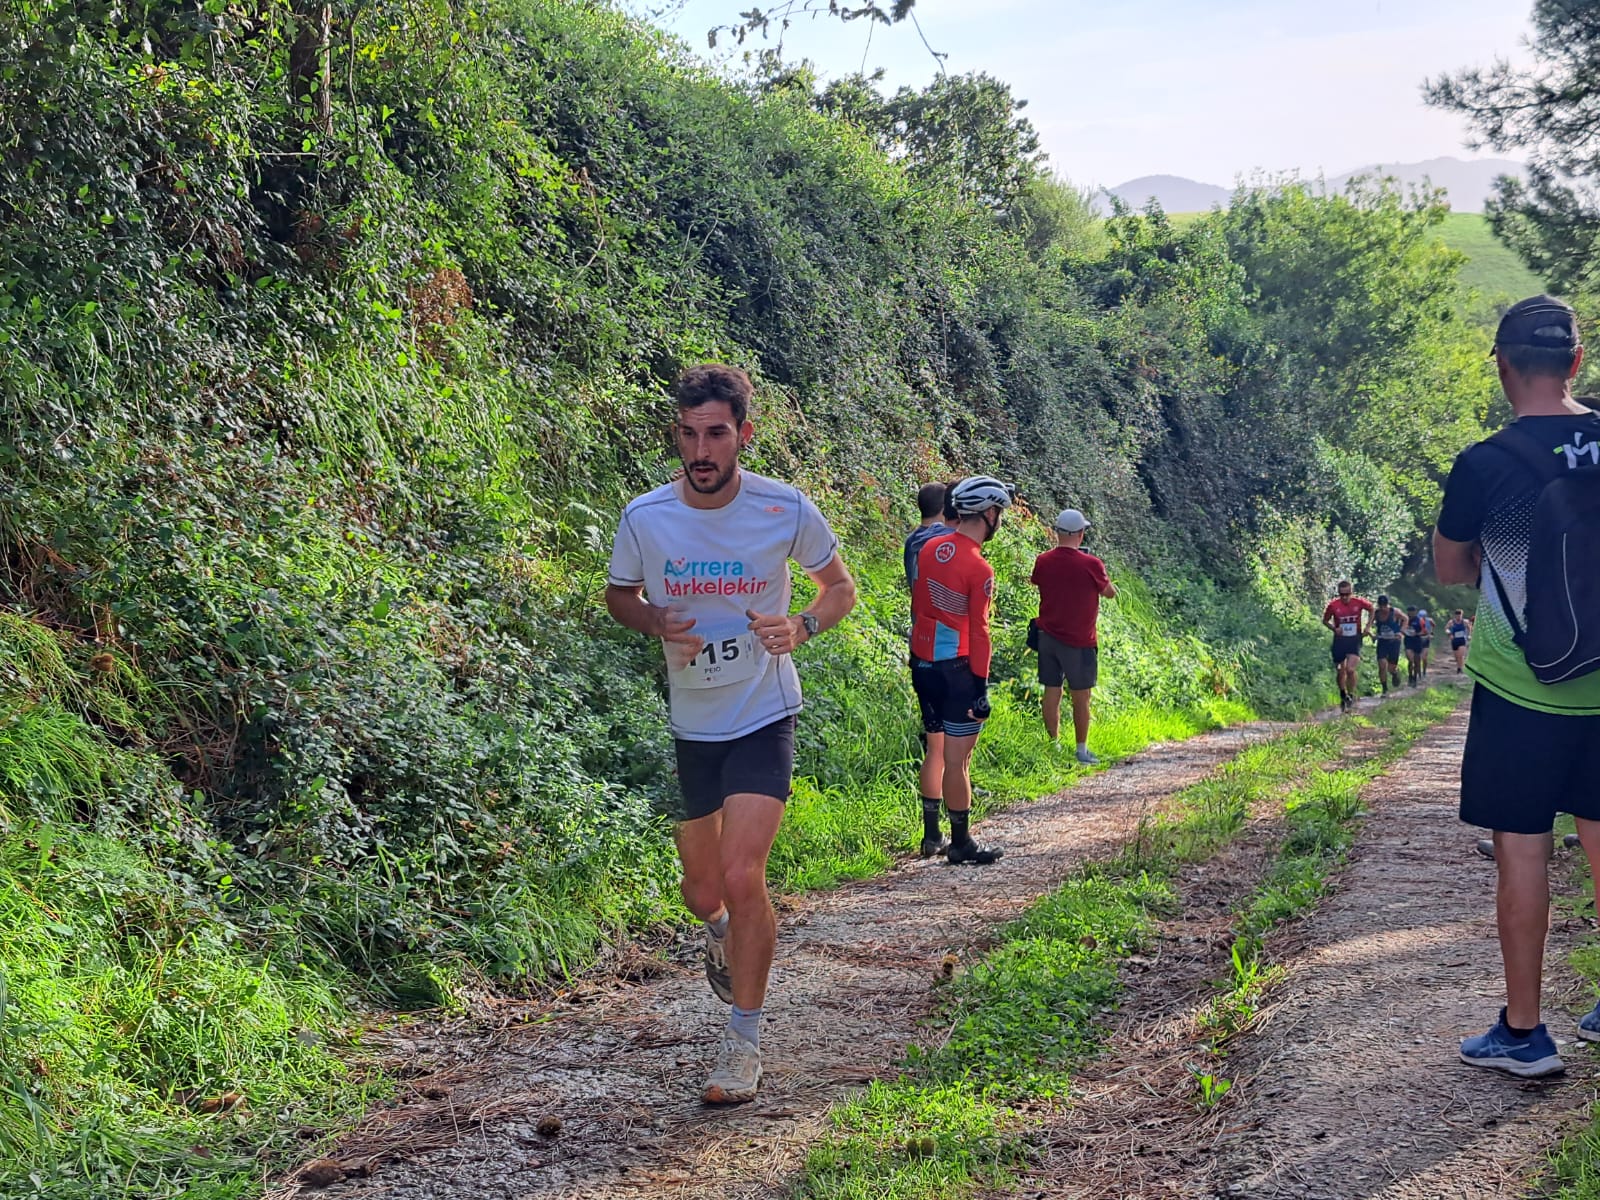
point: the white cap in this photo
(1071, 521)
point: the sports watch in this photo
(813, 626)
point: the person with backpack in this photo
(1521, 520)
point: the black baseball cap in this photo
(1540, 321)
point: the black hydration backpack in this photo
(1560, 636)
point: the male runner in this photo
(1460, 631)
(1347, 616)
(1414, 628)
(950, 651)
(1388, 628)
(933, 506)
(1533, 749)
(703, 564)
(1424, 642)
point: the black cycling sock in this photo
(1518, 1033)
(958, 826)
(930, 817)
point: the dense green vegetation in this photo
(325, 366)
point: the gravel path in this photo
(620, 1067)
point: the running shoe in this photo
(1485, 847)
(737, 1073)
(931, 846)
(1088, 757)
(1571, 841)
(1589, 1025)
(969, 851)
(1529, 1056)
(717, 974)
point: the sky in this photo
(1208, 89)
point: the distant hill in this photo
(1175, 193)
(1467, 184)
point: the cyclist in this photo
(950, 650)
(1347, 615)
(1387, 628)
(702, 563)
(933, 507)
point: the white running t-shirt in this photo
(715, 564)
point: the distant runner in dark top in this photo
(1347, 616)
(1414, 628)
(937, 520)
(702, 563)
(1388, 628)
(1070, 583)
(950, 649)
(1533, 749)
(1460, 631)
(1424, 642)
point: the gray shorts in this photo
(1076, 666)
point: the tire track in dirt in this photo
(1350, 1087)
(621, 1066)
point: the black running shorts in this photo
(1457, 643)
(760, 763)
(1521, 766)
(945, 692)
(1078, 667)
(1389, 649)
(1344, 647)
(1414, 644)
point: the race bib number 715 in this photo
(721, 660)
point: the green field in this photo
(1492, 268)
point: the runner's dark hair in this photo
(1534, 361)
(710, 382)
(949, 509)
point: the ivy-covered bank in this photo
(333, 336)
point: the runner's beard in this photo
(716, 485)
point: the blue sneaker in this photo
(1088, 757)
(1589, 1026)
(1528, 1057)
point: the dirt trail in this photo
(1351, 1087)
(622, 1067)
(1348, 1085)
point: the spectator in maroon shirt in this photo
(1070, 584)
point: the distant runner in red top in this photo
(1348, 617)
(950, 654)
(1070, 583)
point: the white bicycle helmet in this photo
(979, 493)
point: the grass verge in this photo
(1024, 1018)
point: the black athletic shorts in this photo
(1521, 766)
(1344, 647)
(945, 692)
(1389, 649)
(1414, 644)
(1078, 667)
(761, 763)
(1457, 643)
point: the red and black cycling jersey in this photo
(950, 603)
